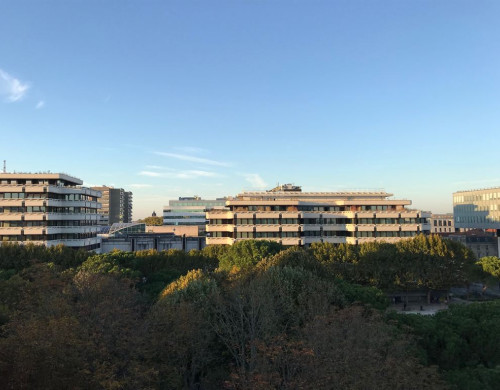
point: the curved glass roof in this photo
(120, 229)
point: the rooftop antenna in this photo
(4, 166)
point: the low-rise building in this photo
(131, 237)
(48, 209)
(442, 223)
(287, 215)
(478, 241)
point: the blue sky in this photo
(177, 98)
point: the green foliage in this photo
(261, 317)
(247, 253)
(195, 286)
(215, 252)
(355, 293)
(474, 378)
(111, 263)
(152, 221)
(463, 341)
(293, 257)
(14, 256)
(490, 265)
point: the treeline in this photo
(249, 316)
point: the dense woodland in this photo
(250, 316)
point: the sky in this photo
(211, 98)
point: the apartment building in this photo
(477, 209)
(48, 209)
(442, 223)
(287, 215)
(116, 205)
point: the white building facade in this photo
(189, 210)
(48, 209)
(477, 209)
(293, 217)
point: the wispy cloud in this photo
(186, 157)
(190, 174)
(40, 104)
(139, 185)
(11, 88)
(255, 180)
(190, 149)
(157, 167)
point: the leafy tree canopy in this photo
(247, 253)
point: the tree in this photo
(182, 345)
(490, 265)
(354, 349)
(340, 260)
(152, 221)
(463, 341)
(247, 253)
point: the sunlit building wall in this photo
(292, 217)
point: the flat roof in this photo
(41, 175)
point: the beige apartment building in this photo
(48, 209)
(287, 215)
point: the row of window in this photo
(46, 223)
(47, 209)
(313, 234)
(442, 222)
(319, 221)
(315, 208)
(477, 219)
(476, 197)
(32, 195)
(47, 237)
(385, 234)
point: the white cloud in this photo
(149, 173)
(191, 174)
(186, 157)
(255, 180)
(11, 88)
(40, 104)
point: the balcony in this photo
(11, 202)
(219, 214)
(221, 228)
(266, 228)
(10, 231)
(219, 240)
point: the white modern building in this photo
(48, 209)
(287, 215)
(189, 210)
(477, 209)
